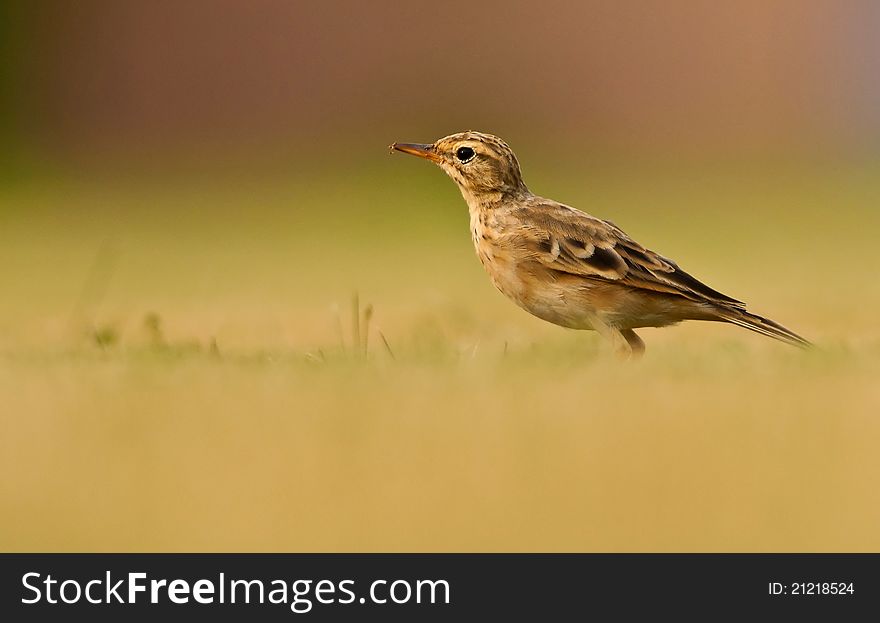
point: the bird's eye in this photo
(465, 154)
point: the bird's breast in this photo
(492, 245)
(514, 271)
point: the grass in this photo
(182, 367)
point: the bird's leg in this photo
(636, 345)
(622, 348)
(626, 344)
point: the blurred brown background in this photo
(635, 77)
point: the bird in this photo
(568, 267)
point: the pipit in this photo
(570, 268)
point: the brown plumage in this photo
(568, 267)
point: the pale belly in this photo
(545, 299)
(529, 286)
(569, 300)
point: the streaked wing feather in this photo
(573, 242)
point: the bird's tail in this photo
(764, 326)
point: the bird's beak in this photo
(422, 151)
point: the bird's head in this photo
(481, 164)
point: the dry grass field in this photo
(178, 370)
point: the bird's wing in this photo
(570, 241)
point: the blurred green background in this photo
(192, 193)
